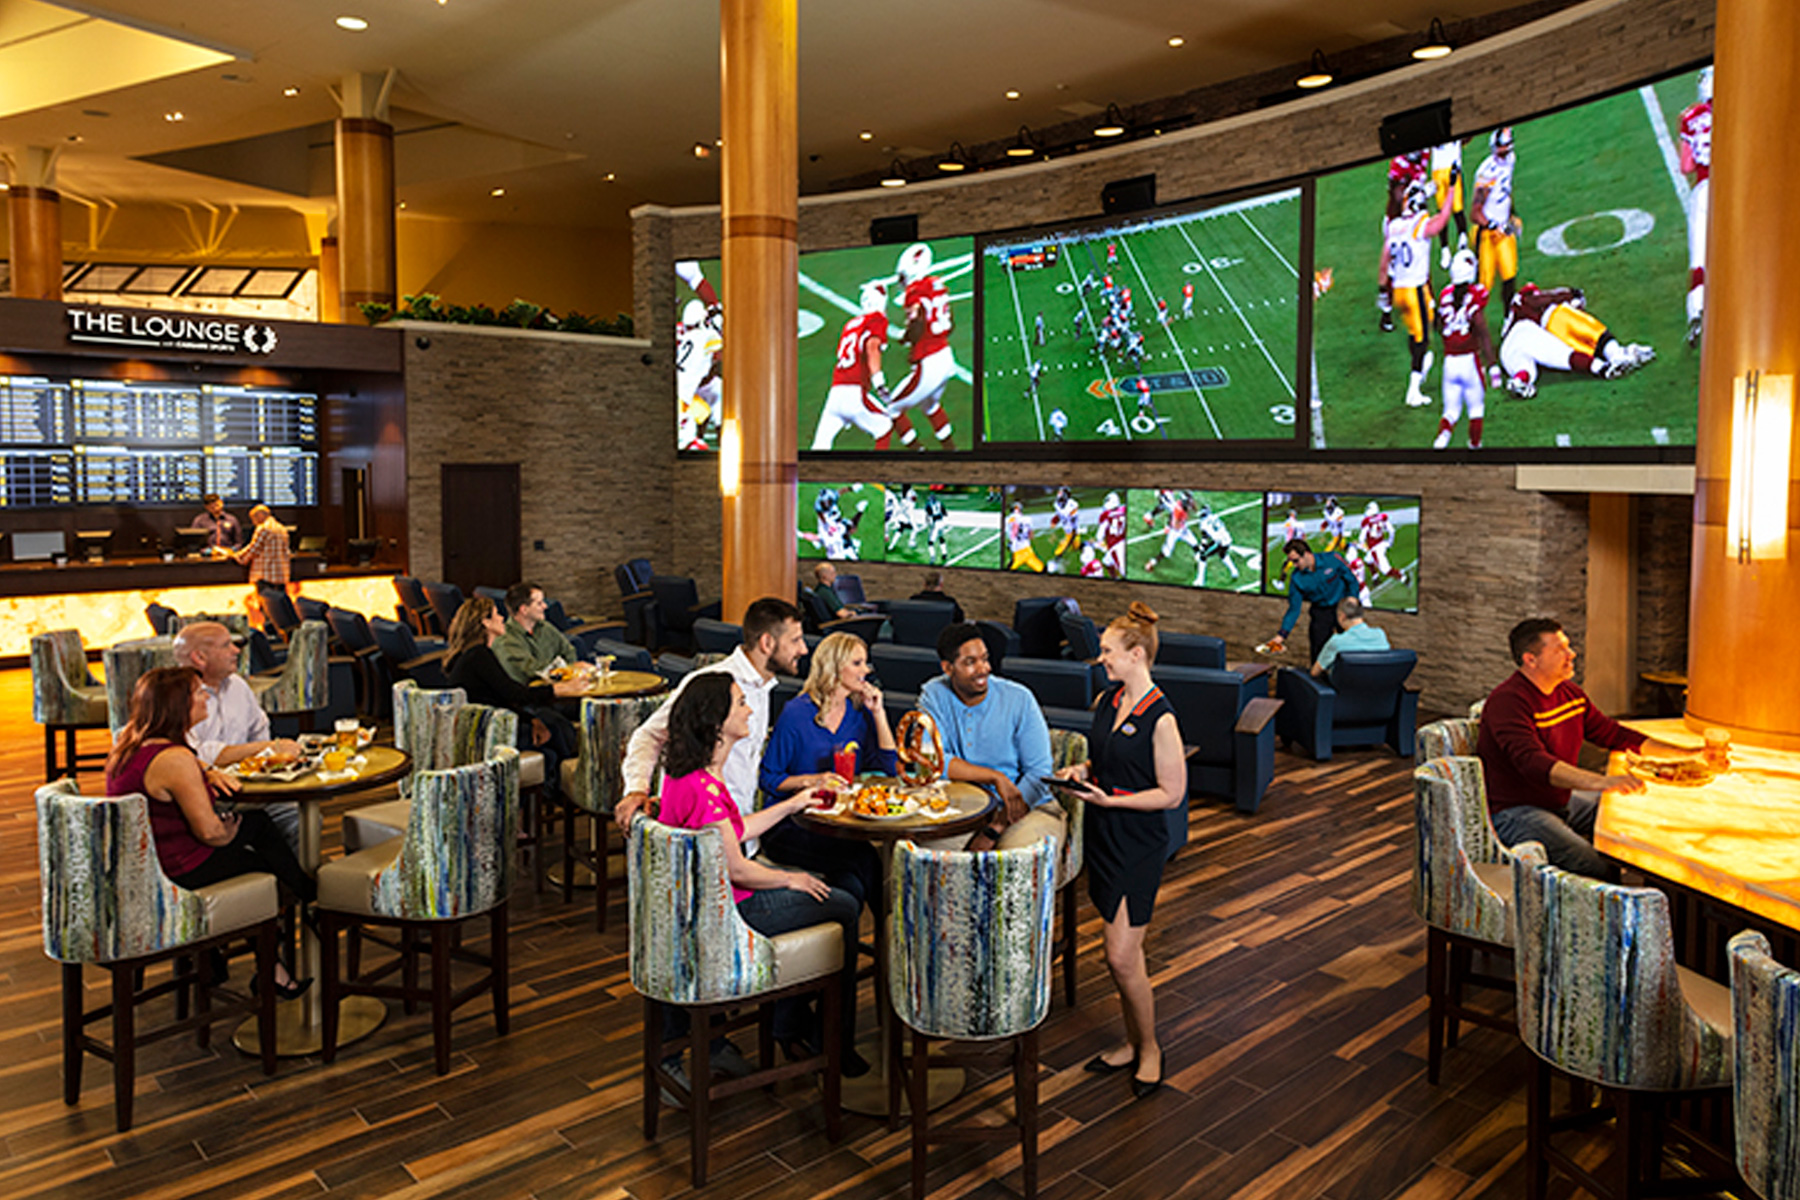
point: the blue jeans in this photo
(1567, 836)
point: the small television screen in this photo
(1533, 286)
(1376, 536)
(190, 541)
(1064, 530)
(1175, 327)
(886, 342)
(1196, 538)
(699, 344)
(941, 525)
(840, 522)
(39, 545)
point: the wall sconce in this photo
(896, 176)
(956, 160)
(1436, 43)
(731, 457)
(1318, 73)
(1762, 429)
(1112, 124)
(1027, 145)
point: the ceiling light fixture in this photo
(402, 204)
(610, 176)
(1111, 125)
(354, 24)
(497, 192)
(1012, 93)
(290, 91)
(1178, 40)
(1319, 76)
(1026, 146)
(1436, 44)
(177, 115)
(896, 176)
(867, 135)
(956, 160)
(702, 150)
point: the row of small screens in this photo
(1184, 537)
(1586, 237)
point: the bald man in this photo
(236, 726)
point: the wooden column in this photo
(331, 301)
(1744, 622)
(34, 215)
(365, 194)
(759, 72)
(1609, 649)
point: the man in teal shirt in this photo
(1321, 578)
(1354, 633)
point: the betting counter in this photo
(106, 601)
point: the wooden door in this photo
(480, 509)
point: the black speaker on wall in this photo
(891, 231)
(1128, 195)
(1416, 128)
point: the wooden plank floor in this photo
(1290, 985)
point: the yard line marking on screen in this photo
(1012, 285)
(1251, 329)
(1205, 408)
(979, 546)
(1318, 413)
(1282, 258)
(1111, 387)
(1665, 143)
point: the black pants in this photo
(1321, 624)
(258, 847)
(850, 866)
(561, 746)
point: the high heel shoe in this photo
(293, 989)
(1099, 1066)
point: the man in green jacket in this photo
(530, 643)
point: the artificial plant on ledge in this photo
(520, 314)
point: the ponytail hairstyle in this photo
(1137, 629)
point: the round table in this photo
(299, 1024)
(970, 809)
(619, 684)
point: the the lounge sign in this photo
(169, 331)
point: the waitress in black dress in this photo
(1135, 771)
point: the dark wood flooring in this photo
(1289, 973)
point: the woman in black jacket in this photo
(471, 665)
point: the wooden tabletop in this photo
(621, 684)
(969, 809)
(381, 764)
(1736, 839)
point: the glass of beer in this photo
(346, 730)
(1718, 749)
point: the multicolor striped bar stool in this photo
(1441, 739)
(65, 697)
(1765, 1006)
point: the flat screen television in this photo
(1059, 529)
(887, 343)
(940, 525)
(840, 522)
(1177, 326)
(1377, 536)
(1191, 537)
(39, 545)
(699, 345)
(1586, 232)
(190, 542)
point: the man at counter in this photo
(226, 533)
(530, 642)
(1532, 729)
(1322, 578)
(236, 726)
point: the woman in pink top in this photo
(707, 719)
(194, 843)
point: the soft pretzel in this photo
(920, 749)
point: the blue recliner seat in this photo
(1002, 642)
(497, 595)
(1038, 622)
(918, 622)
(821, 620)
(445, 599)
(374, 681)
(678, 607)
(674, 667)
(1081, 637)
(1190, 650)
(719, 637)
(903, 668)
(409, 658)
(1226, 724)
(1064, 689)
(1366, 703)
(850, 590)
(633, 576)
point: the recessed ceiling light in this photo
(610, 177)
(175, 116)
(1012, 93)
(402, 204)
(1177, 40)
(352, 23)
(498, 192)
(290, 91)
(702, 150)
(867, 135)
(74, 137)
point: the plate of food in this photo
(276, 768)
(1677, 772)
(881, 802)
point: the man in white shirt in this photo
(236, 726)
(773, 641)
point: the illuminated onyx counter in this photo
(106, 601)
(1736, 839)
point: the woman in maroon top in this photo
(194, 843)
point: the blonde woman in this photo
(838, 706)
(1137, 769)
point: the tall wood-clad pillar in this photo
(34, 214)
(331, 281)
(759, 80)
(365, 193)
(1744, 623)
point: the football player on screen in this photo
(1550, 328)
(937, 537)
(1018, 541)
(858, 392)
(928, 326)
(1498, 226)
(1377, 534)
(1446, 176)
(1696, 160)
(1215, 542)
(1405, 272)
(1463, 321)
(833, 531)
(1332, 526)
(1110, 530)
(699, 345)
(1068, 517)
(1179, 506)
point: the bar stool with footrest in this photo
(1602, 1001)
(107, 902)
(691, 949)
(1462, 890)
(303, 684)
(126, 663)
(593, 783)
(65, 698)
(1765, 1005)
(456, 861)
(1442, 739)
(963, 980)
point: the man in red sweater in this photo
(1532, 729)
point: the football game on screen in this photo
(940, 525)
(1194, 538)
(1537, 285)
(699, 342)
(1376, 536)
(1061, 530)
(840, 522)
(886, 347)
(1178, 327)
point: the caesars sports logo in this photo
(260, 339)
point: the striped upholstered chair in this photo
(1462, 890)
(593, 783)
(65, 697)
(1602, 1001)
(456, 861)
(126, 663)
(691, 949)
(303, 684)
(107, 902)
(1765, 1004)
(1441, 739)
(969, 981)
